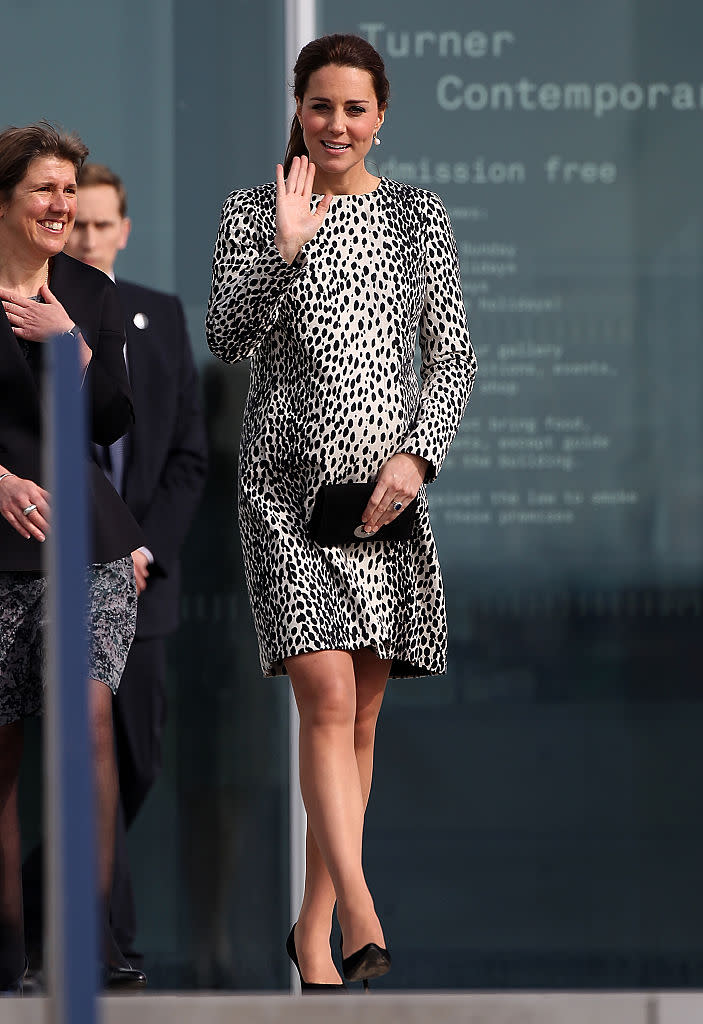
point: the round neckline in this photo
(356, 195)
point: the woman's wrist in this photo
(420, 462)
(288, 250)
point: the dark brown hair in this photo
(19, 146)
(346, 51)
(100, 174)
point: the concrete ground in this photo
(386, 1008)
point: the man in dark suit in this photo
(159, 469)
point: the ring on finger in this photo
(398, 506)
(28, 510)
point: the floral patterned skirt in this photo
(110, 621)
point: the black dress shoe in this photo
(371, 961)
(123, 978)
(16, 987)
(34, 983)
(309, 986)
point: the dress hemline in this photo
(401, 668)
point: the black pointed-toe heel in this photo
(308, 986)
(371, 961)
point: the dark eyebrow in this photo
(326, 99)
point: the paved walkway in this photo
(386, 1008)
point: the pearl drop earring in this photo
(376, 140)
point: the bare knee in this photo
(324, 689)
(11, 741)
(328, 705)
(100, 716)
(369, 697)
(365, 727)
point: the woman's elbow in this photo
(217, 345)
(230, 348)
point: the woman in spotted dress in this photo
(323, 280)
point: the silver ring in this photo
(398, 507)
(29, 509)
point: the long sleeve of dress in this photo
(448, 367)
(250, 279)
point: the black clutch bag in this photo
(336, 517)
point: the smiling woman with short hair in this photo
(44, 293)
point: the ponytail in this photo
(296, 145)
(344, 51)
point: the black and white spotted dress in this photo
(333, 394)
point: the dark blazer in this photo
(91, 300)
(166, 459)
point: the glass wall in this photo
(536, 815)
(536, 818)
(186, 102)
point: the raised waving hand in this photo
(296, 222)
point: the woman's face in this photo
(37, 219)
(339, 115)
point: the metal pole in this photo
(69, 825)
(300, 28)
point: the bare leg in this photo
(333, 731)
(11, 926)
(106, 798)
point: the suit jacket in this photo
(91, 300)
(166, 458)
